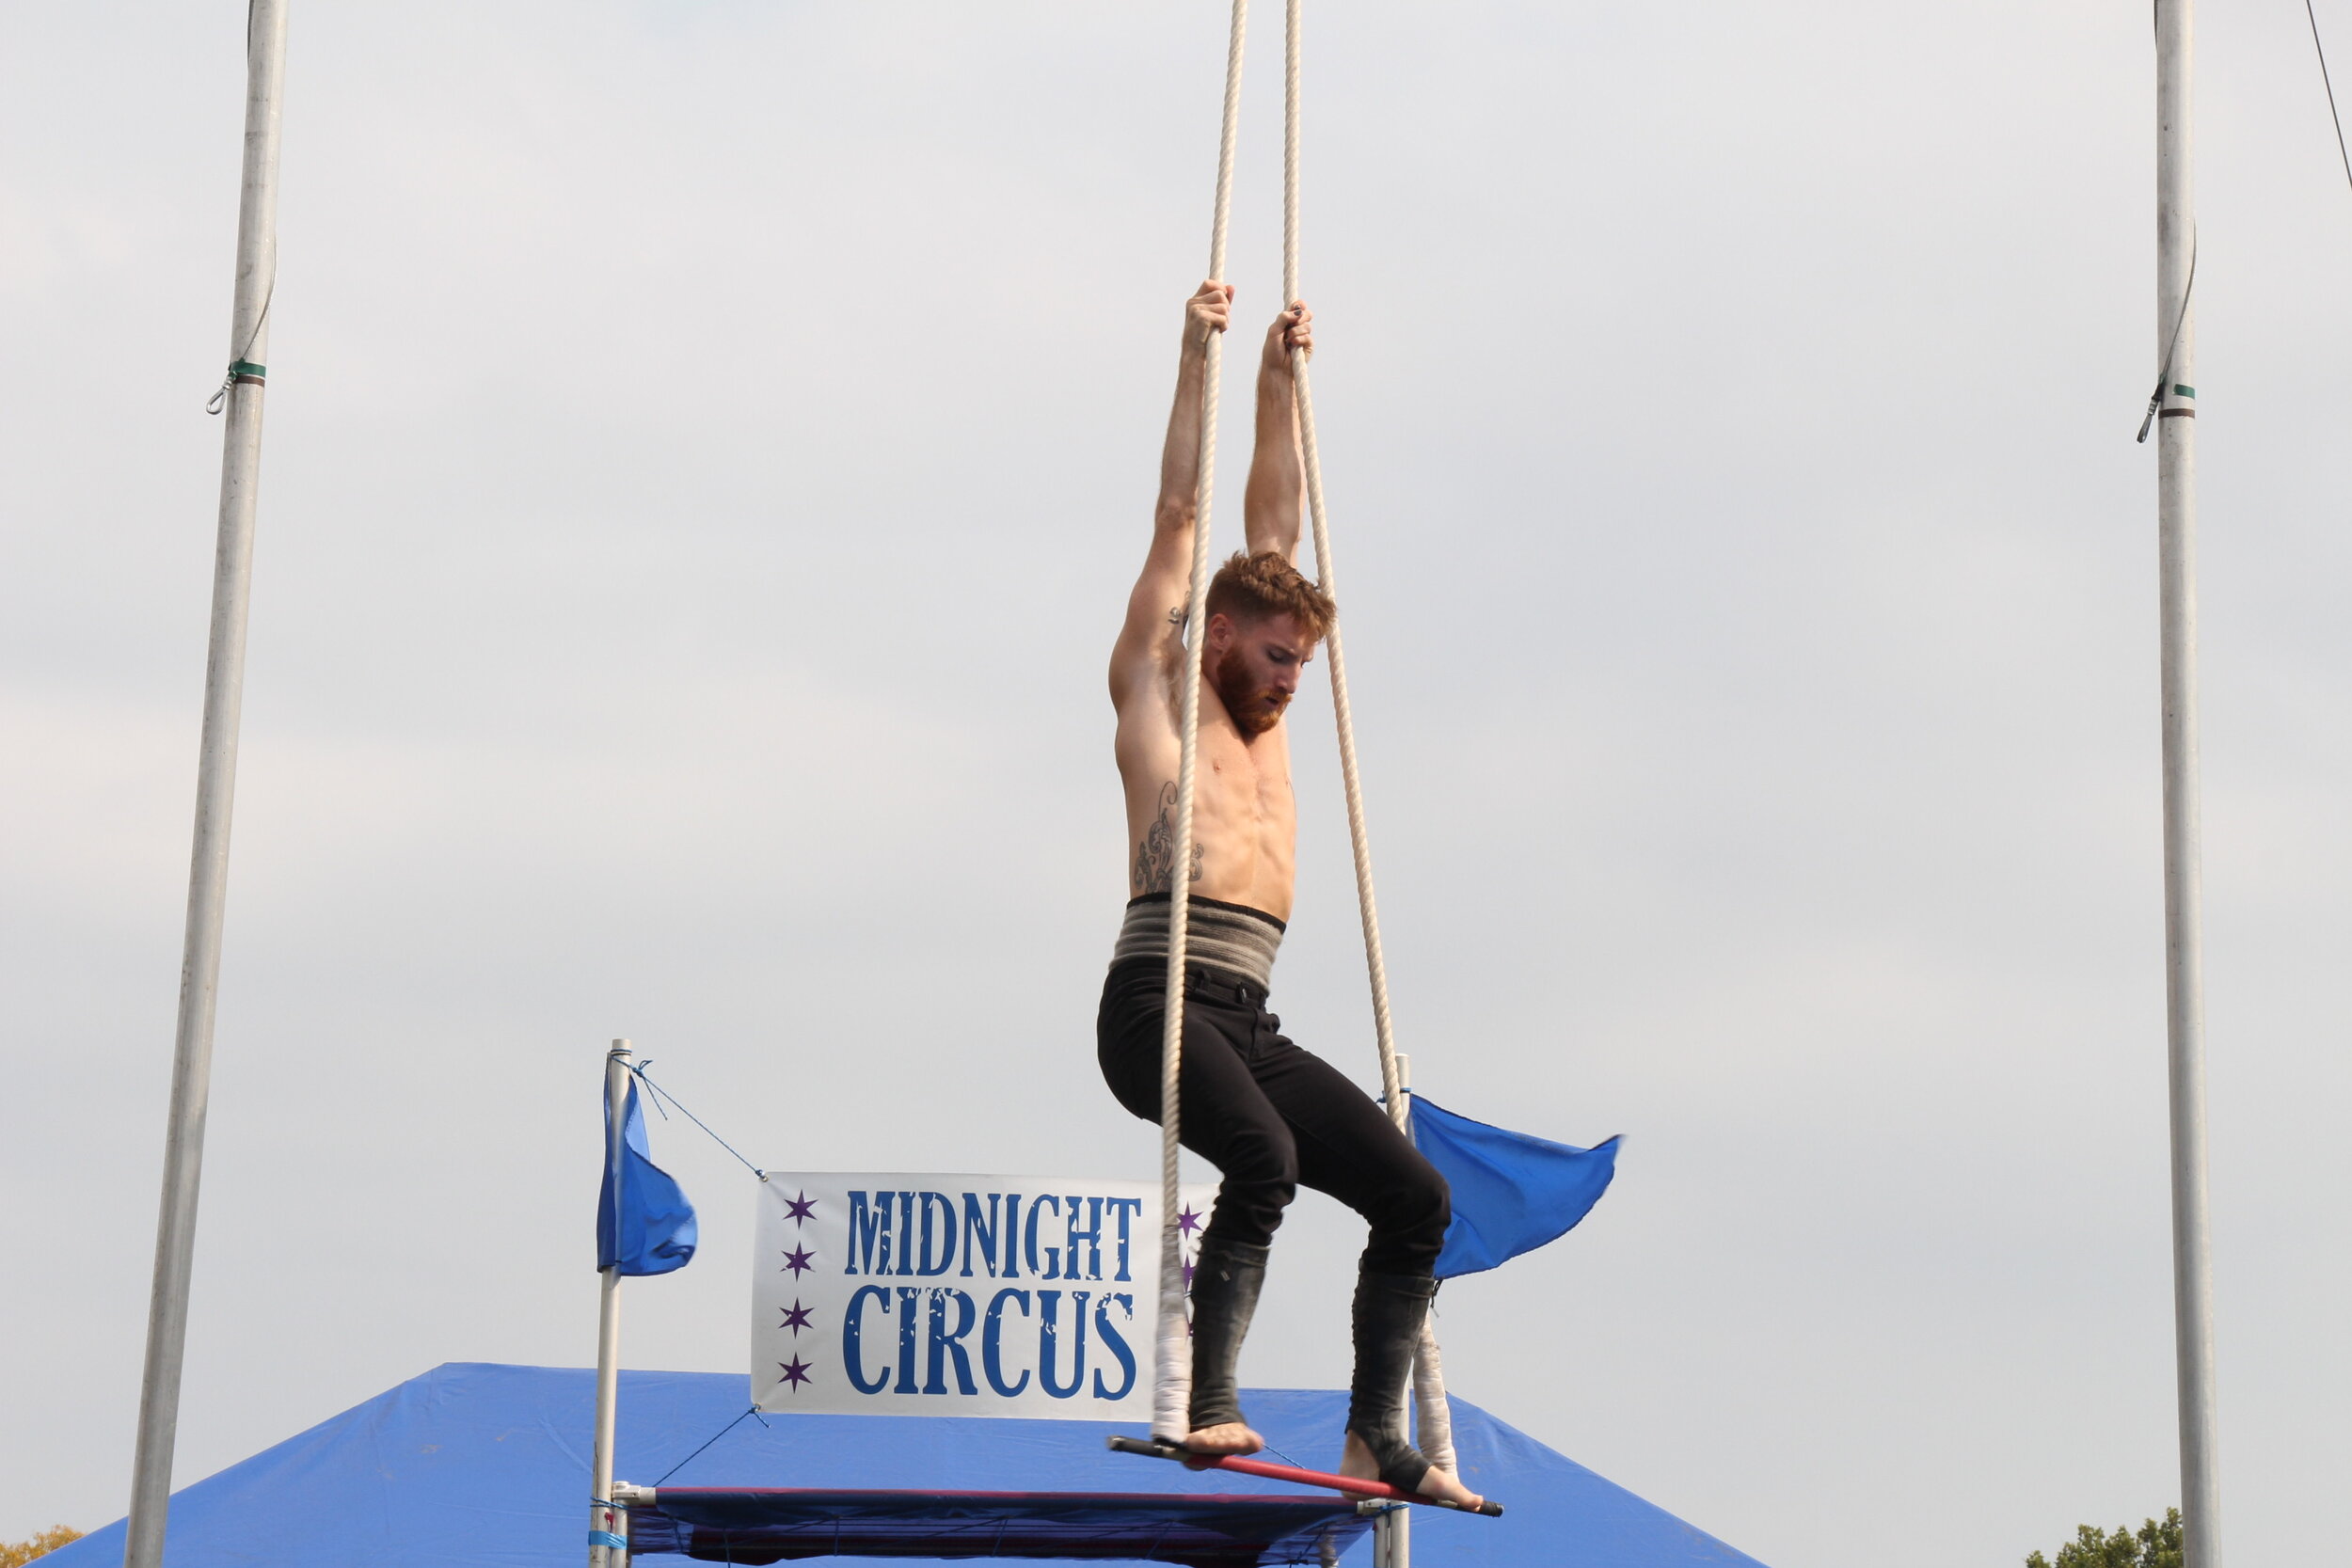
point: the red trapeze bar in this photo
(1153, 1448)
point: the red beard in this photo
(1254, 708)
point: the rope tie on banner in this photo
(1171, 1387)
(1435, 1421)
(660, 1094)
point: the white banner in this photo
(899, 1295)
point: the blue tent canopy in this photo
(486, 1466)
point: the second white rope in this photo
(1435, 1423)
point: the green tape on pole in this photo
(2180, 391)
(247, 366)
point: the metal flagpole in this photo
(2184, 1012)
(216, 790)
(606, 1544)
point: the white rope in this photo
(1172, 1396)
(1436, 1424)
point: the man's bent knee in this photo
(1409, 1231)
(1263, 1155)
(1258, 1187)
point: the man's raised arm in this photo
(1156, 607)
(1272, 505)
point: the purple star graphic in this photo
(800, 1261)
(795, 1371)
(1188, 1278)
(799, 1206)
(796, 1318)
(1189, 1220)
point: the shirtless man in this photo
(1266, 1114)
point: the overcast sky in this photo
(709, 446)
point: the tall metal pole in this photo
(2185, 1007)
(216, 790)
(606, 1541)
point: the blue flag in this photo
(643, 1223)
(1511, 1193)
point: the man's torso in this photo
(1245, 820)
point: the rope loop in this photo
(2164, 372)
(242, 372)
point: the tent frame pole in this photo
(604, 1514)
(216, 793)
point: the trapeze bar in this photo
(1153, 1448)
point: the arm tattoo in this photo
(1155, 854)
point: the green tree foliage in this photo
(2154, 1544)
(16, 1554)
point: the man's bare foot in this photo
(1355, 1460)
(1225, 1437)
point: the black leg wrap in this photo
(1390, 1312)
(1225, 1284)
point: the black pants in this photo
(1269, 1115)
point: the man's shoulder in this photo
(1149, 692)
(1147, 715)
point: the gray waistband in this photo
(1234, 938)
